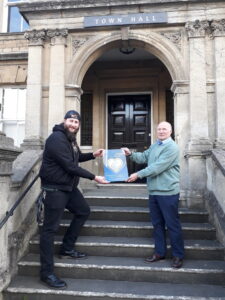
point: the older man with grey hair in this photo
(162, 173)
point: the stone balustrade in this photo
(216, 191)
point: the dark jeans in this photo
(164, 213)
(55, 203)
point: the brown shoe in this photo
(177, 262)
(154, 257)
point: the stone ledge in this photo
(14, 56)
(23, 165)
(217, 215)
(37, 5)
(218, 155)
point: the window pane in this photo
(86, 120)
(13, 114)
(16, 21)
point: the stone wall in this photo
(15, 175)
(13, 59)
(216, 191)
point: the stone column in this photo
(181, 124)
(8, 154)
(73, 100)
(57, 77)
(199, 144)
(199, 135)
(33, 139)
(218, 33)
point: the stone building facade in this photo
(126, 65)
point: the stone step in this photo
(29, 287)
(140, 229)
(138, 214)
(136, 247)
(130, 269)
(129, 201)
(121, 195)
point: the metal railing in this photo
(9, 213)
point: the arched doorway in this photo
(134, 86)
(128, 96)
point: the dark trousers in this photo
(55, 203)
(164, 213)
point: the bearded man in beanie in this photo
(60, 173)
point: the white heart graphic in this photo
(115, 164)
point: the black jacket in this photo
(60, 169)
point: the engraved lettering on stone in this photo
(197, 28)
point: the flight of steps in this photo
(117, 237)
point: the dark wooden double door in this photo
(129, 124)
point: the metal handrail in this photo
(9, 213)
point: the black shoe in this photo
(53, 281)
(72, 254)
(155, 257)
(177, 262)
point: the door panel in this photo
(129, 124)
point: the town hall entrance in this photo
(129, 119)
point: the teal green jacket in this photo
(162, 169)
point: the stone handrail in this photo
(216, 191)
(17, 171)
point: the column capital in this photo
(57, 36)
(35, 37)
(218, 28)
(197, 28)
(180, 87)
(74, 90)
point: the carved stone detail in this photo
(174, 37)
(57, 33)
(197, 28)
(78, 42)
(218, 28)
(35, 37)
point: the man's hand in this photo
(100, 179)
(126, 151)
(133, 177)
(98, 153)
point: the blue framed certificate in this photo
(115, 165)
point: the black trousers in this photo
(55, 202)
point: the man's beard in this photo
(71, 135)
